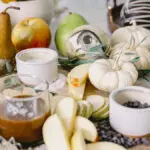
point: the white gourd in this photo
(130, 52)
(124, 34)
(107, 75)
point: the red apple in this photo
(31, 33)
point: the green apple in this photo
(85, 109)
(55, 135)
(66, 110)
(77, 141)
(97, 101)
(65, 29)
(104, 146)
(102, 113)
(87, 127)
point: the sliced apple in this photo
(101, 111)
(87, 127)
(104, 146)
(55, 134)
(79, 74)
(66, 110)
(77, 141)
(76, 92)
(97, 101)
(54, 100)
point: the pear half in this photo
(87, 127)
(104, 146)
(55, 134)
(66, 110)
(77, 141)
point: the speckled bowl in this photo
(130, 121)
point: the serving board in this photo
(142, 81)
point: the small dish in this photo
(133, 122)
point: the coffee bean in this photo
(107, 133)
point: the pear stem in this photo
(11, 7)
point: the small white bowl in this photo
(130, 121)
(40, 62)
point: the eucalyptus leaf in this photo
(97, 48)
(135, 59)
(9, 67)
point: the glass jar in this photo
(24, 107)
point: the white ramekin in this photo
(130, 121)
(46, 66)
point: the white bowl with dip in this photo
(130, 121)
(41, 62)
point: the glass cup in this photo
(24, 107)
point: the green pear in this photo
(65, 29)
(74, 18)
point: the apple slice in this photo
(76, 92)
(54, 102)
(104, 146)
(55, 134)
(66, 110)
(101, 111)
(87, 127)
(97, 101)
(79, 74)
(77, 141)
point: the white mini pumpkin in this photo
(124, 34)
(130, 53)
(105, 75)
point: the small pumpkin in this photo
(107, 75)
(137, 54)
(124, 34)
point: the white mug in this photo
(40, 62)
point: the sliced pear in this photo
(104, 146)
(101, 111)
(76, 92)
(79, 74)
(55, 134)
(77, 141)
(66, 110)
(54, 100)
(87, 127)
(97, 101)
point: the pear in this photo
(65, 29)
(7, 50)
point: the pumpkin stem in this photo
(133, 22)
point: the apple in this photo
(102, 113)
(77, 141)
(85, 109)
(66, 110)
(104, 146)
(87, 127)
(55, 135)
(31, 33)
(64, 30)
(97, 101)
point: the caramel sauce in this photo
(23, 130)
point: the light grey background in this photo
(94, 11)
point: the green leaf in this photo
(135, 59)
(97, 48)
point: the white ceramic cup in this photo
(40, 62)
(130, 121)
